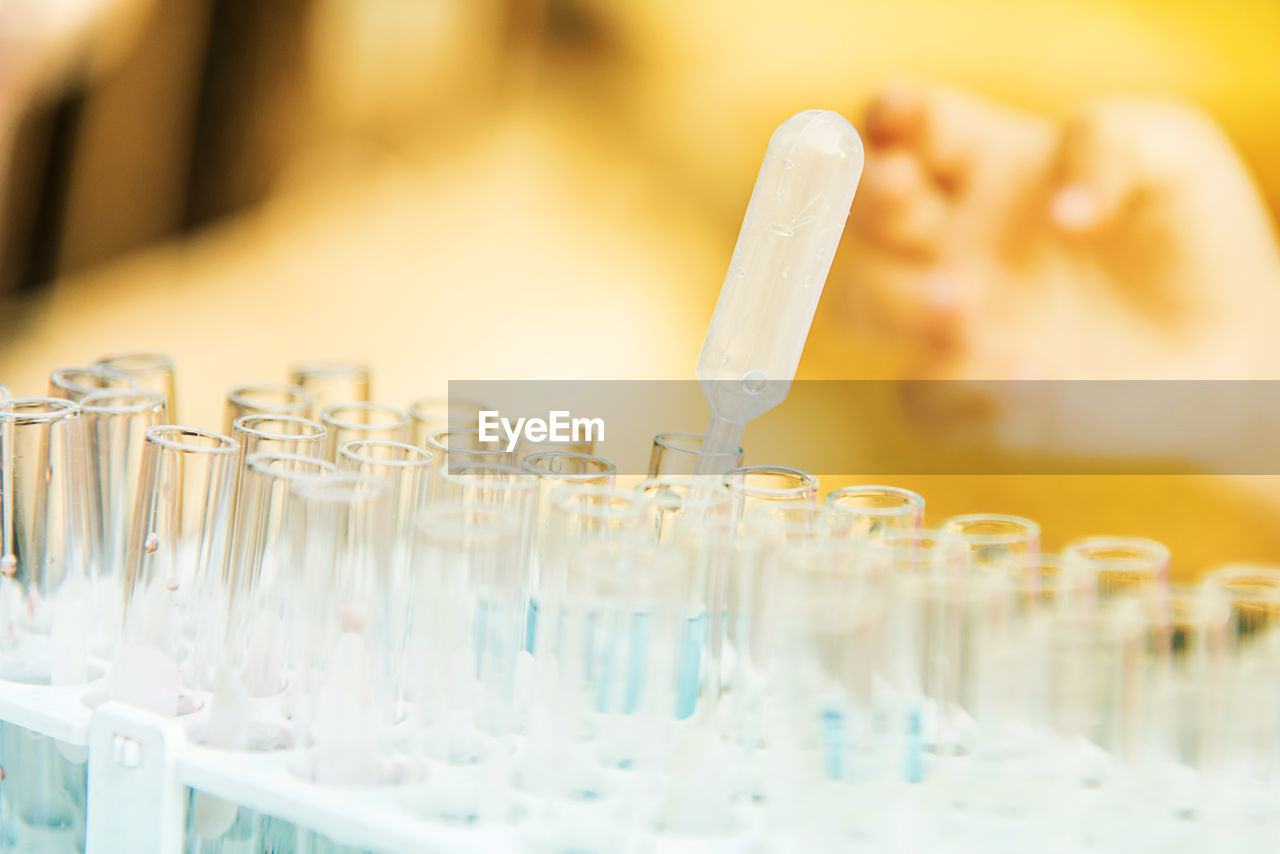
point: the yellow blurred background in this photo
(524, 188)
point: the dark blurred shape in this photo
(193, 124)
(37, 193)
(248, 106)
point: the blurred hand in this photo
(1127, 242)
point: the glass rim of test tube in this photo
(909, 502)
(399, 418)
(145, 399)
(35, 410)
(419, 408)
(414, 457)
(62, 378)
(1019, 529)
(497, 452)
(329, 369)
(606, 468)
(1117, 552)
(611, 502)
(210, 441)
(803, 480)
(292, 398)
(137, 362)
(272, 463)
(246, 422)
(670, 441)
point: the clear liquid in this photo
(43, 795)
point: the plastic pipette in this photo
(780, 264)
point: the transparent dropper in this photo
(788, 239)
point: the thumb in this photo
(1094, 179)
(1120, 147)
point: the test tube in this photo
(464, 643)
(340, 535)
(266, 398)
(116, 423)
(45, 541)
(261, 432)
(467, 599)
(1189, 654)
(259, 556)
(347, 422)
(149, 372)
(788, 522)
(1099, 692)
(937, 623)
(1251, 595)
(45, 604)
(74, 383)
(676, 454)
(554, 470)
(494, 486)
(680, 507)
(621, 625)
(176, 566)
(870, 511)
(442, 413)
(329, 383)
(1123, 565)
(406, 468)
(258, 433)
(460, 447)
(583, 514)
(988, 541)
(696, 518)
(754, 486)
(832, 741)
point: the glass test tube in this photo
(74, 383)
(46, 606)
(461, 447)
(554, 470)
(947, 626)
(469, 598)
(1251, 595)
(45, 541)
(1123, 565)
(175, 570)
(442, 413)
(993, 542)
(1189, 657)
(829, 730)
(340, 534)
(406, 468)
(268, 399)
(620, 627)
(696, 518)
(261, 432)
(464, 643)
(330, 383)
(754, 486)
(676, 454)
(149, 372)
(265, 585)
(869, 511)
(116, 423)
(407, 472)
(347, 422)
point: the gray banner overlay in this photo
(858, 427)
